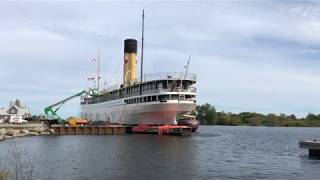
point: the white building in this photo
(13, 110)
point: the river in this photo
(215, 152)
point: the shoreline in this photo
(243, 125)
(9, 131)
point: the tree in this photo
(271, 120)
(255, 121)
(293, 117)
(206, 114)
(313, 117)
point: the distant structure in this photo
(13, 110)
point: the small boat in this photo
(190, 121)
(312, 145)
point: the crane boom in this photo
(50, 111)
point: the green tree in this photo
(206, 114)
(271, 120)
(255, 121)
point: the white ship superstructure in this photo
(158, 100)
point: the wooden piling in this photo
(89, 130)
(120, 130)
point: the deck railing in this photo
(158, 76)
(170, 75)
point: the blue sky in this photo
(248, 55)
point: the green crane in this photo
(51, 111)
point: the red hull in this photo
(162, 130)
(194, 124)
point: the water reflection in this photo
(157, 157)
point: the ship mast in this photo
(187, 68)
(142, 41)
(98, 74)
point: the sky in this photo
(249, 56)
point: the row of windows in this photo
(161, 98)
(149, 87)
(141, 99)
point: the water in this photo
(215, 152)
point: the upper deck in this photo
(160, 83)
(171, 76)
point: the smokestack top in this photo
(130, 46)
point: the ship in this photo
(158, 100)
(155, 99)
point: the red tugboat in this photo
(190, 121)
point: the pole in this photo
(98, 78)
(187, 68)
(142, 43)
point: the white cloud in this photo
(249, 56)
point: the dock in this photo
(89, 130)
(121, 130)
(312, 145)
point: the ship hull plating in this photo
(156, 113)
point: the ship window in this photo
(149, 98)
(182, 97)
(189, 97)
(154, 98)
(163, 98)
(145, 99)
(174, 97)
(164, 85)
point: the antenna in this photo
(187, 67)
(142, 40)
